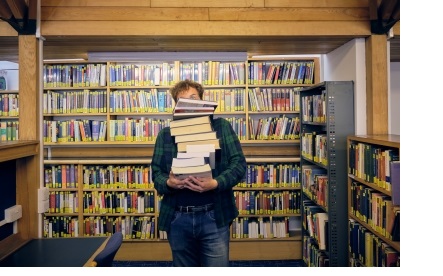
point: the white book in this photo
(188, 162)
(206, 148)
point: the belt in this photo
(192, 209)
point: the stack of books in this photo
(195, 138)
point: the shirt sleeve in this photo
(161, 161)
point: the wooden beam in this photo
(28, 169)
(19, 8)
(5, 11)
(387, 7)
(377, 85)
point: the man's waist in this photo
(193, 209)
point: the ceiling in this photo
(79, 46)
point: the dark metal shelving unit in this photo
(339, 124)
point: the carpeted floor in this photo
(282, 263)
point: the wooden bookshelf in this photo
(370, 200)
(259, 149)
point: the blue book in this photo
(395, 182)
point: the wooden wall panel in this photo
(288, 14)
(95, 3)
(317, 3)
(209, 3)
(203, 28)
(127, 13)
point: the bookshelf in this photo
(373, 200)
(9, 112)
(327, 118)
(130, 100)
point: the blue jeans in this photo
(196, 241)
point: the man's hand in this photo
(200, 184)
(174, 182)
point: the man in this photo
(196, 213)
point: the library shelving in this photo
(9, 114)
(374, 200)
(104, 115)
(16, 158)
(327, 118)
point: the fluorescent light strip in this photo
(166, 56)
(64, 60)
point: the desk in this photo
(56, 252)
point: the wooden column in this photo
(377, 85)
(28, 169)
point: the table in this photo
(56, 252)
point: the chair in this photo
(106, 256)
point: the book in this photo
(194, 103)
(321, 219)
(184, 114)
(396, 227)
(196, 137)
(197, 171)
(189, 161)
(192, 129)
(188, 108)
(207, 149)
(190, 121)
(182, 146)
(395, 182)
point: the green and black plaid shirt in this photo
(229, 170)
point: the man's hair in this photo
(184, 85)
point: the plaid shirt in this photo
(229, 170)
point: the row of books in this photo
(267, 203)
(136, 130)
(9, 130)
(373, 164)
(374, 208)
(9, 104)
(141, 74)
(62, 176)
(146, 129)
(63, 202)
(274, 128)
(315, 221)
(164, 73)
(314, 146)
(136, 101)
(260, 228)
(366, 249)
(274, 99)
(314, 108)
(117, 177)
(136, 202)
(141, 228)
(315, 184)
(228, 100)
(312, 255)
(74, 131)
(74, 75)
(271, 175)
(213, 72)
(288, 72)
(98, 176)
(60, 227)
(69, 102)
